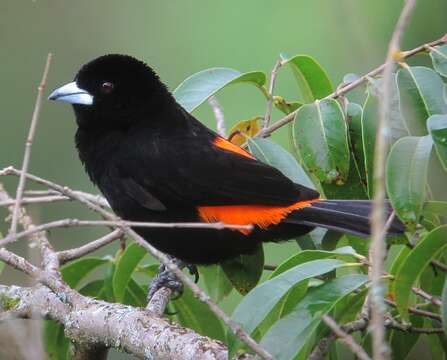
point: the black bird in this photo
(154, 161)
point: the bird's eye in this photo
(107, 87)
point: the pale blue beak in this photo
(72, 94)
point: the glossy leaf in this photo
(295, 330)
(198, 87)
(320, 137)
(403, 342)
(75, 271)
(255, 306)
(420, 91)
(438, 56)
(274, 155)
(312, 80)
(94, 289)
(134, 294)
(407, 176)
(244, 271)
(342, 253)
(196, 315)
(354, 114)
(217, 284)
(243, 130)
(437, 126)
(369, 124)
(125, 267)
(415, 263)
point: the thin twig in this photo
(269, 106)
(346, 338)
(379, 346)
(35, 200)
(431, 298)
(218, 114)
(323, 346)
(395, 325)
(416, 311)
(352, 85)
(76, 253)
(29, 144)
(119, 224)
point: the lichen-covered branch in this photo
(133, 330)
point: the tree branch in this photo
(76, 253)
(129, 329)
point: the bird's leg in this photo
(167, 279)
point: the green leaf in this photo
(437, 127)
(438, 56)
(295, 331)
(56, 344)
(150, 270)
(217, 284)
(75, 271)
(255, 306)
(198, 87)
(342, 253)
(369, 124)
(134, 294)
(274, 155)
(196, 315)
(415, 263)
(94, 289)
(407, 176)
(320, 137)
(435, 207)
(403, 342)
(354, 114)
(245, 271)
(312, 80)
(125, 267)
(420, 91)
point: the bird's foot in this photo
(167, 279)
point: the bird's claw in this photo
(193, 271)
(165, 278)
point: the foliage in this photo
(333, 151)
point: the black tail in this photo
(347, 216)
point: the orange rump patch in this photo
(225, 144)
(260, 215)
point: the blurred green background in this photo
(177, 38)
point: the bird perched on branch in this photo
(154, 161)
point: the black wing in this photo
(190, 170)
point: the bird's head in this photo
(113, 91)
